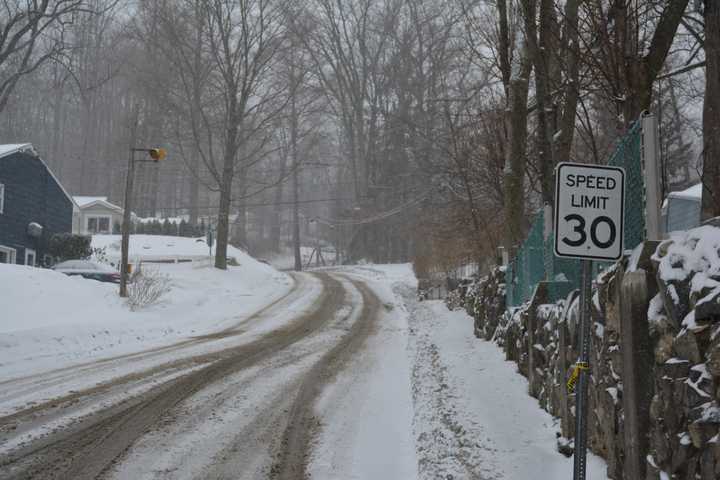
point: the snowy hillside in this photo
(50, 319)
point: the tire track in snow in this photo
(24, 386)
(38, 412)
(89, 448)
(303, 424)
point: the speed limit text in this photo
(596, 182)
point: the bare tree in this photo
(224, 66)
(31, 34)
(628, 43)
(554, 49)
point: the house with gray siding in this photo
(33, 206)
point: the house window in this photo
(30, 257)
(2, 198)
(7, 255)
(98, 225)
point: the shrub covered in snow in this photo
(146, 287)
(454, 299)
(66, 246)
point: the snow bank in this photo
(34, 298)
(50, 320)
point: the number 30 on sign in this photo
(589, 211)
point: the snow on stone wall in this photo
(680, 429)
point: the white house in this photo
(95, 215)
(681, 210)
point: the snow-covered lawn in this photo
(50, 320)
(160, 247)
(472, 415)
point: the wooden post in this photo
(653, 176)
(637, 368)
(540, 296)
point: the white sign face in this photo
(589, 220)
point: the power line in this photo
(262, 204)
(378, 216)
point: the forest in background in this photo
(393, 130)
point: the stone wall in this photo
(655, 358)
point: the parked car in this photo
(87, 269)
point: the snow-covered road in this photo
(344, 376)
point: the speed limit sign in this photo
(589, 202)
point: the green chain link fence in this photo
(628, 155)
(535, 260)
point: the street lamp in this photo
(155, 154)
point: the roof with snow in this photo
(87, 202)
(692, 193)
(83, 200)
(11, 148)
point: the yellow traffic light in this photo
(157, 154)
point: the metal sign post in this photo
(582, 369)
(588, 225)
(209, 238)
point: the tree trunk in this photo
(711, 113)
(539, 50)
(570, 44)
(239, 232)
(296, 182)
(504, 45)
(276, 214)
(223, 225)
(514, 174)
(639, 72)
(194, 185)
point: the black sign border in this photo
(556, 220)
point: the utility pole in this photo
(125, 243)
(155, 154)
